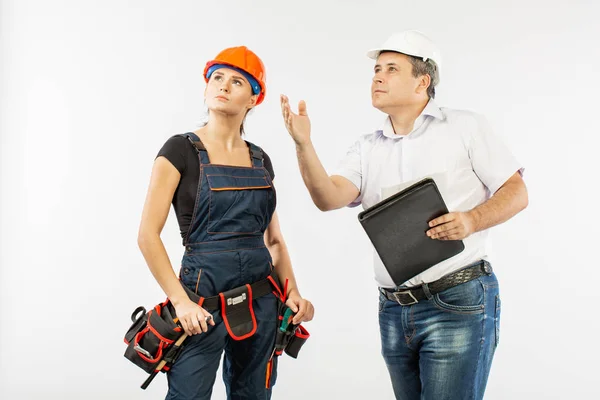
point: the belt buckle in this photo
(404, 292)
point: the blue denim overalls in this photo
(225, 249)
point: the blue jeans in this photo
(442, 348)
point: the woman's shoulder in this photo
(178, 150)
(179, 140)
(179, 143)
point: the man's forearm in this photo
(509, 200)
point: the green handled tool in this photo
(287, 318)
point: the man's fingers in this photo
(302, 108)
(285, 106)
(441, 228)
(285, 110)
(442, 220)
(446, 233)
(452, 237)
(438, 230)
(287, 114)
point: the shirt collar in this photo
(430, 110)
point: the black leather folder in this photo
(397, 227)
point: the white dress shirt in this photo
(456, 148)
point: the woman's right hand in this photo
(298, 125)
(193, 317)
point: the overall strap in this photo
(256, 154)
(199, 146)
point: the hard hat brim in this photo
(374, 53)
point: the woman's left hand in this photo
(303, 308)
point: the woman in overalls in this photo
(221, 188)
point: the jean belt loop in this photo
(426, 291)
(486, 267)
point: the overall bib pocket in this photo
(237, 204)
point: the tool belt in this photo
(413, 295)
(152, 336)
(289, 338)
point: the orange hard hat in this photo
(245, 60)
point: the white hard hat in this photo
(412, 43)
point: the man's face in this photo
(394, 84)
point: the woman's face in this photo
(228, 92)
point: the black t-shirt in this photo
(182, 154)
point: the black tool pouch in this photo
(292, 339)
(238, 314)
(296, 342)
(151, 337)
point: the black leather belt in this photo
(415, 294)
(259, 289)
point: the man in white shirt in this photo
(439, 330)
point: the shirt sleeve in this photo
(174, 150)
(350, 167)
(268, 165)
(491, 159)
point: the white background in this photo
(91, 90)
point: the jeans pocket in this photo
(382, 301)
(466, 298)
(497, 319)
